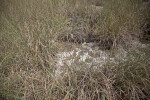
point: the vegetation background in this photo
(30, 35)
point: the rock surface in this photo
(88, 55)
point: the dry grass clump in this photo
(120, 21)
(132, 78)
(128, 80)
(29, 31)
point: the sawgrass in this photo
(28, 43)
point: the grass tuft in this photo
(30, 34)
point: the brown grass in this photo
(29, 31)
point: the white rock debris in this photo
(87, 54)
(91, 56)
